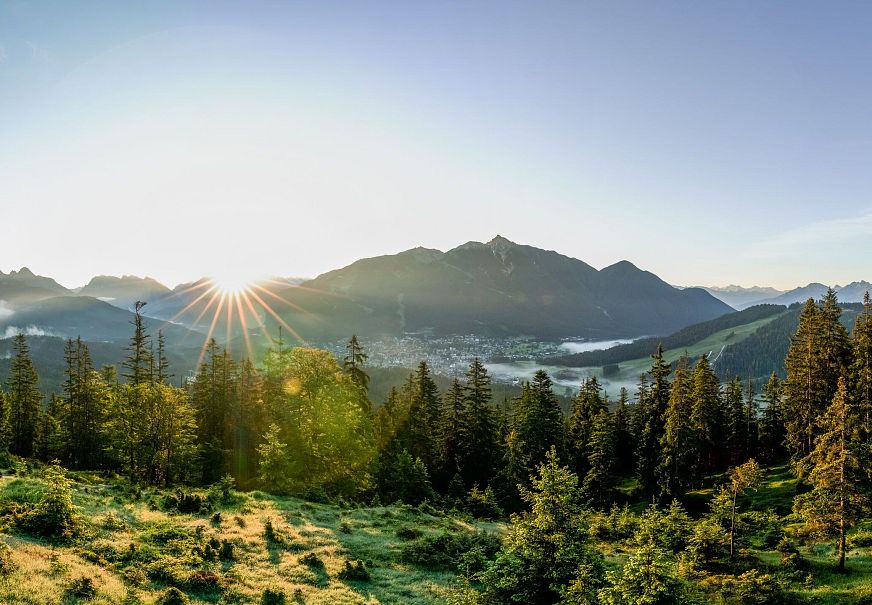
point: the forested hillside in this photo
(123, 488)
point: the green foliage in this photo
(483, 504)
(82, 588)
(446, 550)
(649, 577)
(7, 565)
(173, 596)
(54, 515)
(354, 572)
(273, 596)
(708, 542)
(547, 549)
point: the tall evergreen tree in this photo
(734, 413)
(585, 407)
(598, 485)
(623, 435)
(538, 423)
(679, 442)
(707, 419)
(651, 409)
(772, 433)
(24, 398)
(478, 444)
(861, 366)
(449, 430)
(139, 363)
(834, 469)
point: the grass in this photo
(134, 550)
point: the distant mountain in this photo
(494, 288)
(739, 297)
(92, 319)
(23, 287)
(851, 293)
(124, 291)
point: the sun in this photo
(232, 282)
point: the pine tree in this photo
(679, 442)
(598, 485)
(734, 413)
(651, 409)
(538, 424)
(162, 363)
(24, 398)
(139, 363)
(835, 471)
(861, 367)
(585, 407)
(707, 419)
(352, 364)
(85, 401)
(449, 429)
(752, 427)
(478, 445)
(548, 550)
(5, 428)
(624, 455)
(772, 433)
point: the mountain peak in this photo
(23, 272)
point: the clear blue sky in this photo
(709, 142)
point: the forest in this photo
(691, 489)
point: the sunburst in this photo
(240, 301)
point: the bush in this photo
(82, 588)
(409, 533)
(355, 572)
(203, 581)
(708, 542)
(345, 527)
(54, 515)
(226, 553)
(187, 502)
(750, 588)
(860, 539)
(312, 560)
(446, 551)
(483, 504)
(272, 596)
(7, 565)
(172, 596)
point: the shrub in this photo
(203, 581)
(187, 502)
(135, 576)
(225, 553)
(860, 539)
(355, 572)
(222, 491)
(172, 596)
(82, 588)
(312, 560)
(708, 542)
(483, 504)
(408, 533)
(54, 515)
(272, 597)
(7, 565)
(446, 550)
(345, 527)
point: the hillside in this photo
(137, 548)
(124, 291)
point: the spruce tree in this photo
(478, 445)
(861, 366)
(24, 398)
(707, 419)
(587, 404)
(734, 413)
(679, 442)
(772, 433)
(835, 470)
(538, 423)
(598, 485)
(651, 409)
(139, 363)
(448, 431)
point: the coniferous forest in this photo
(141, 487)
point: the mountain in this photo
(741, 298)
(124, 291)
(92, 319)
(851, 293)
(23, 287)
(497, 288)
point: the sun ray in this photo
(294, 306)
(209, 334)
(281, 321)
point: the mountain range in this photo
(498, 288)
(742, 298)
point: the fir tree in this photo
(861, 366)
(24, 398)
(651, 409)
(679, 441)
(834, 469)
(585, 407)
(734, 413)
(623, 435)
(538, 424)
(598, 485)
(139, 363)
(478, 445)
(772, 433)
(707, 419)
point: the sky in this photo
(708, 142)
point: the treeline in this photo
(644, 347)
